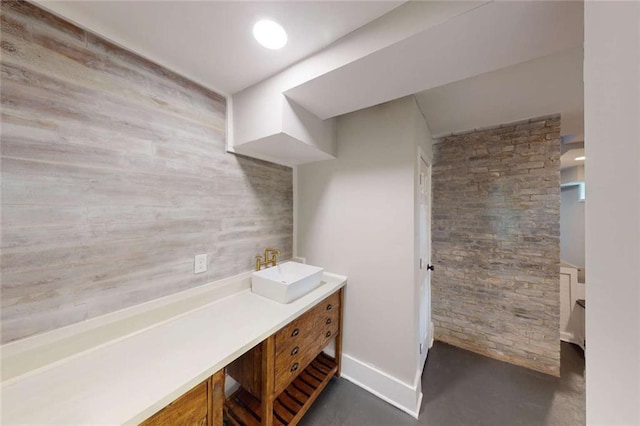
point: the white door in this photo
(425, 260)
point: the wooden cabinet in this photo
(297, 344)
(282, 377)
(247, 370)
(201, 406)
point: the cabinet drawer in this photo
(306, 326)
(189, 410)
(299, 343)
(327, 318)
(331, 303)
(296, 332)
(329, 328)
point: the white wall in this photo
(307, 128)
(612, 148)
(355, 216)
(572, 226)
(572, 174)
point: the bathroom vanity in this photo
(282, 377)
(162, 363)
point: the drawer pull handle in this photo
(294, 351)
(328, 321)
(329, 307)
(294, 367)
(328, 334)
(295, 332)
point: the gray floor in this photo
(463, 388)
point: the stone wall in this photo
(496, 242)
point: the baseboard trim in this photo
(401, 395)
(571, 338)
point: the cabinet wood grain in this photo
(292, 367)
(247, 371)
(290, 405)
(191, 409)
(216, 399)
(201, 406)
(268, 380)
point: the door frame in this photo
(424, 345)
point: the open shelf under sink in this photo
(243, 409)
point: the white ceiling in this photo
(487, 38)
(547, 85)
(568, 159)
(211, 42)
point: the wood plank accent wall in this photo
(114, 176)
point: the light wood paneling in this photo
(114, 176)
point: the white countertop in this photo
(127, 381)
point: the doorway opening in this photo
(572, 244)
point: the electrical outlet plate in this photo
(200, 264)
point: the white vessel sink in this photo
(286, 282)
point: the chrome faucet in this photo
(270, 258)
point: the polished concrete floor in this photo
(463, 388)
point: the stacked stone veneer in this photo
(496, 242)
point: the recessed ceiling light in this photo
(580, 158)
(270, 34)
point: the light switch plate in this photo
(200, 264)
